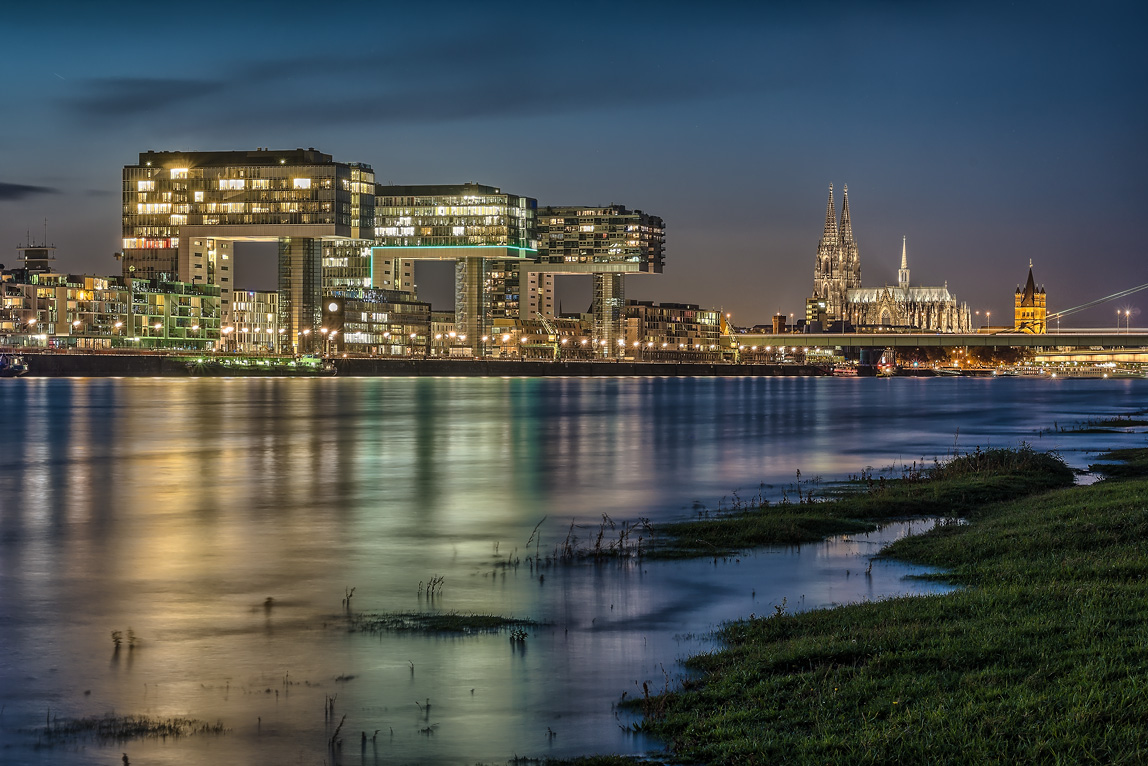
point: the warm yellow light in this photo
(505, 338)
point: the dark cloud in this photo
(10, 192)
(136, 96)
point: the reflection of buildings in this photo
(839, 296)
(1029, 310)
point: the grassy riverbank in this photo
(956, 488)
(1041, 657)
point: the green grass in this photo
(958, 487)
(1042, 656)
(429, 622)
(1122, 464)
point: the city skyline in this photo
(986, 136)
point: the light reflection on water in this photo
(176, 507)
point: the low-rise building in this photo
(664, 331)
(83, 311)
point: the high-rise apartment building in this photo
(608, 242)
(183, 210)
(478, 227)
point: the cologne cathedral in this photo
(892, 308)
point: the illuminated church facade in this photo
(900, 307)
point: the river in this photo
(176, 508)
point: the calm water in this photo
(175, 507)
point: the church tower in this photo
(850, 259)
(1030, 312)
(825, 268)
(903, 272)
(838, 265)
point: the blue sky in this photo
(988, 133)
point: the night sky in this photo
(987, 133)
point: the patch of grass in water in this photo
(1122, 463)
(1110, 424)
(1040, 658)
(113, 728)
(425, 622)
(958, 487)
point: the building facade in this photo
(672, 331)
(80, 311)
(372, 322)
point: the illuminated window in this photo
(179, 172)
(199, 196)
(145, 185)
(230, 183)
(301, 183)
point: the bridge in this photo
(1136, 338)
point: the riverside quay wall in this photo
(144, 365)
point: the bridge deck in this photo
(1134, 339)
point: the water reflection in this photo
(177, 507)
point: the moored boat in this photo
(12, 366)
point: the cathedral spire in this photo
(846, 223)
(829, 236)
(903, 272)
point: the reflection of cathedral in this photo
(837, 283)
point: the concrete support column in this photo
(301, 291)
(610, 312)
(472, 300)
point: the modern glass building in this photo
(476, 226)
(183, 210)
(608, 242)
